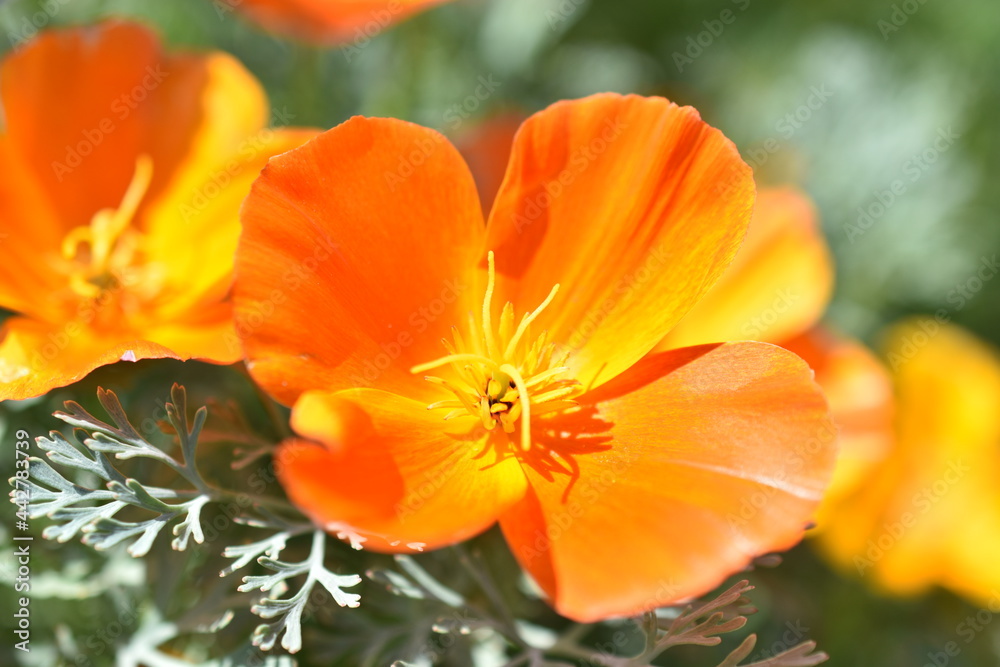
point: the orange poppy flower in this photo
(775, 291)
(122, 175)
(330, 21)
(456, 374)
(929, 515)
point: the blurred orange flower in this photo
(612, 471)
(929, 515)
(122, 175)
(776, 291)
(330, 21)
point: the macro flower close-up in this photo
(499, 333)
(526, 386)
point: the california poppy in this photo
(776, 291)
(929, 514)
(329, 21)
(123, 173)
(447, 374)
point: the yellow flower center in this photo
(503, 376)
(103, 255)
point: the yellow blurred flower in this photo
(930, 515)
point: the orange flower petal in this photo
(77, 103)
(720, 453)
(23, 278)
(394, 472)
(331, 21)
(859, 391)
(357, 256)
(777, 287)
(36, 357)
(634, 205)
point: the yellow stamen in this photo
(109, 245)
(451, 358)
(500, 381)
(491, 343)
(525, 406)
(527, 320)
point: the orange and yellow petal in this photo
(717, 454)
(207, 334)
(634, 206)
(357, 257)
(859, 390)
(393, 472)
(36, 357)
(930, 515)
(331, 21)
(777, 287)
(77, 105)
(205, 203)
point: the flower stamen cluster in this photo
(502, 377)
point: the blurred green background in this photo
(841, 98)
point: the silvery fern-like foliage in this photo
(288, 611)
(93, 511)
(78, 508)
